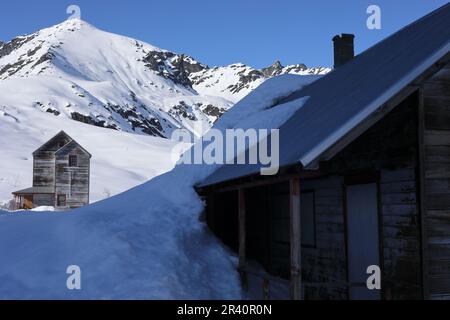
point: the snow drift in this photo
(147, 243)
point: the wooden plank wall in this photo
(325, 266)
(436, 95)
(44, 169)
(400, 234)
(388, 149)
(44, 162)
(73, 181)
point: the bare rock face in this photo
(7, 48)
(273, 70)
(173, 66)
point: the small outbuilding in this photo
(61, 171)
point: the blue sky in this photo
(219, 32)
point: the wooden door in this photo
(362, 238)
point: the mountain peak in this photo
(275, 69)
(73, 23)
(277, 64)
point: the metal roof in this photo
(348, 95)
(36, 190)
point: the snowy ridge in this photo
(235, 81)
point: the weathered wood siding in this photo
(73, 181)
(387, 151)
(400, 232)
(44, 162)
(436, 99)
(44, 169)
(324, 266)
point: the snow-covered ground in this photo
(145, 243)
(119, 162)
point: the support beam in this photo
(242, 239)
(421, 186)
(259, 181)
(296, 256)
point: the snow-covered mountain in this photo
(76, 71)
(73, 71)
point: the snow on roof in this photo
(348, 95)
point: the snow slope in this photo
(145, 243)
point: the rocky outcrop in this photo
(172, 66)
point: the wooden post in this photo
(242, 238)
(421, 186)
(17, 204)
(296, 270)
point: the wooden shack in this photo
(364, 179)
(61, 171)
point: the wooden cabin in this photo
(364, 180)
(61, 170)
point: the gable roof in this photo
(72, 143)
(49, 142)
(343, 99)
(59, 134)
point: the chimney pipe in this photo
(344, 49)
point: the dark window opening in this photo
(222, 217)
(73, 161)
(61, 200)
(268, 228)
